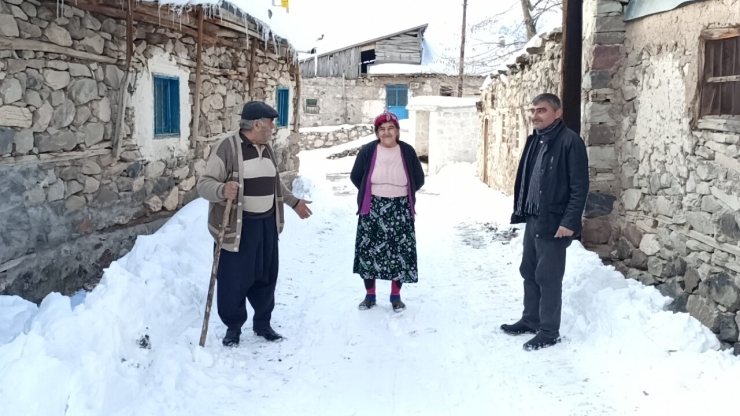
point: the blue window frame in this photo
(166, 106)
(283, 106)
(396, 99)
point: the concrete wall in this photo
(446, 129)
(358, 101)
(69, 208)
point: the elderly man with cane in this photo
(242, 167)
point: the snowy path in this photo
(444, 355)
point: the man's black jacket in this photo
(564, 185)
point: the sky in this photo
(351, 21)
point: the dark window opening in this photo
(366, 58)
(312, 106)
(445, 91)
(721, 78)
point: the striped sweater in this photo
(226, 163)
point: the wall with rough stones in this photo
(503, 108)
(69, 207)
(321, 137)
(678, 212)
(358, 101)
(664, 201)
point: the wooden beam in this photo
(571, 69)
(729, 78)
(720, 33)
(39, 46)
(210, 35)
(252, 67)
(123, 91)
(296, 106)
(198, 71)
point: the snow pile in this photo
(130, 347)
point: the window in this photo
(445, 91)
(396, 99)
(312, 106)
(366, 58)
(166, 106)
(720, 89)
(283, 106)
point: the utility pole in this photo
(571, 71)
(462, 51)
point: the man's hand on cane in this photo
(231, 190)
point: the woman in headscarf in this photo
(387, 174)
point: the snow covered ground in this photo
(130, 346)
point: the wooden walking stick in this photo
(216, 257)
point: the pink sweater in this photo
(389, 177)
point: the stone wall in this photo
(678, 212)
(69, 207)
(358, 101)
(445, 129)
(320, 137)
(664, 201)
(503, 109)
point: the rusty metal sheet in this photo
(641, 8)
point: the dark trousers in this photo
(543, 267)
(250, 273)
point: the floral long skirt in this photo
(385, 247)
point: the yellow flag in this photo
(284, 3)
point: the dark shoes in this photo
(517, 329)
(370, 301)
(540, 341)
(366, 304)
(269, 334)
(398, 306)
(231, 339)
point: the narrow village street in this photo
(130, 347)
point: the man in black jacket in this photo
(549, 196)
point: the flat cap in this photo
(255, 110)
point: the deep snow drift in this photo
(130, 347)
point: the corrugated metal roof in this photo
(641, 8)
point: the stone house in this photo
(661, 106)
(108, 110)
(354, 83)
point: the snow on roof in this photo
(432, 103)
(397, 69)
(274, 20)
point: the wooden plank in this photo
(731, 124)
(720, 33)
(183, 27)
(730, 78)
(252, 67)
(571, 65)
(39, 46)
(52, 157)
(297, 98)
(123, 94)
(198, 72)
